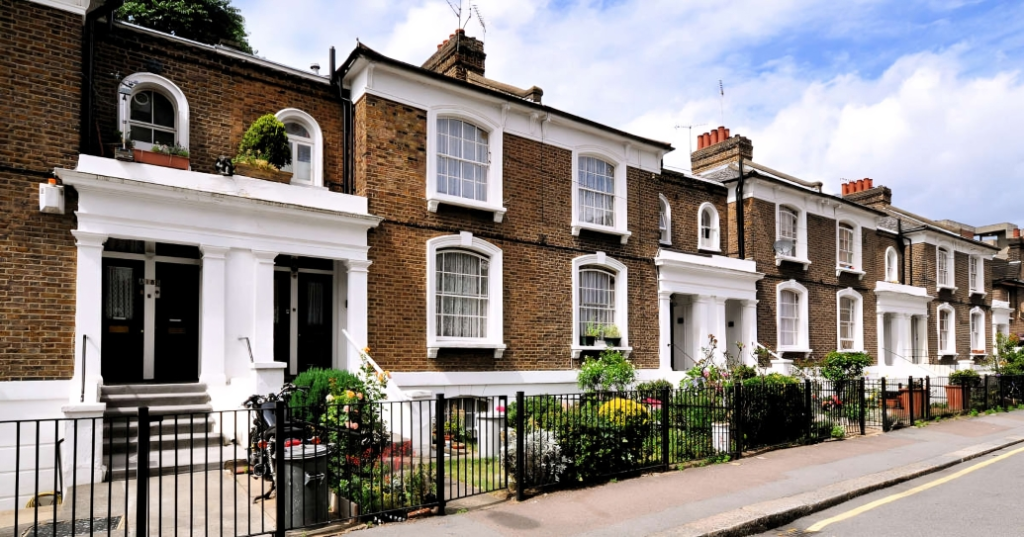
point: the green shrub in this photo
(844, 365)
(309, 405)
(266, 140)
(653, 388)
(771, 379)
(964, 377)
(608, 371)
(599, 446)
(744, 372)
(838, 432)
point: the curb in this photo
(761, 517)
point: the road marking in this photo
(920, 488)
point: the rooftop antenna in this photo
(721, 102)
(479, 18)
(689, 137)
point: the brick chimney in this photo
(864, 192)
(457, 56)
(716, 147)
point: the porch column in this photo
(88, 315)
(358, 307)
(213, 316)
(880, 332)
(702, 323)
(263, 307)
(665, 330)
(718, 328)
(904, 345)
(749, 331)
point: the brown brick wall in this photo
(535, 238)
(40, 96)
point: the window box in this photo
(266, 174)
(977, 352)
(498, 348)
(160, 159)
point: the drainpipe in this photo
(903, 250)
(740, 242)
(348, 126)
(88, 71)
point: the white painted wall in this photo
(29, 400)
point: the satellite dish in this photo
(784, 246)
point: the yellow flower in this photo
(366, 350)
(388, 373)
(350, 394)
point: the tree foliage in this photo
(206, 21)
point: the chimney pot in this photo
(700, 142)
(846, 188)
(721, 134)
(870, 182)
(1016, 233)
(726, 134)
(860, 185)
(705, 139)
(714, 137)
(439, 45)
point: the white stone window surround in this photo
(945, 253)
(495, 338)
(150, 81)
(298, 116)
(664, 220)
(977, 327)
(601, 260)
(802, 337)
(892, 265)
(947, 345)
(857, 266)
(713, 242)
(800, 253)
(977, 279)
(495, 135)
(620, 226)
(858, 319)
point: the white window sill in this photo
(791, 259)
(803, 350)
(435, 200)
(623, 234)
(709, 249)
(850, 351)
(577, 350)
(665, 243)
(434, 346)
(850, 270)
(978, 354)
(947, 353)
(950, 287)
(979, 293)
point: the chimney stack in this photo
(864, 192)
(717, 147)
(458, 56)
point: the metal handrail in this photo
(777, 357)
(85, 348)
(392, 390)
(249, 346)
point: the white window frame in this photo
(621, 299)
(800, 253)
(495, 324)
(948, 347)
(978, 332)
(857, 264)
(802, 337)
(664, 219)
(892, 265)
(977, 279)
(620, 228)
(714, 243)
(858, 320)
(316, 173)
(947, 253)
(495, 135)
(149, 81)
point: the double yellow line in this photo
(921, 488)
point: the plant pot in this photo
(160, 159)
(613, 341)
(276, 176)
(587, 341)
(127, 155)
(955, 398)
(915, 396)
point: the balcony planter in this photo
(267, 174)
(587, 341)
(613, 341)
(160, 159)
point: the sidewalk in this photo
(697, 501)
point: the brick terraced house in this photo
(468, 234)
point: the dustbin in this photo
(304, 487)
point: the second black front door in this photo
(303, 319)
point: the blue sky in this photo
(924, 96)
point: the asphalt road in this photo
(980, 497)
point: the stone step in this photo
(198, 440)
(154, 399)
(197, 460)
(122, 389)
(182, 411)
(125, 426)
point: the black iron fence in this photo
(226, 473)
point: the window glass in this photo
(120, 298)
(943, 264)
(596, 192)
(944, 321)
(597, 298)
(972, 277)
(302, 153)
(663, 223)
(847, 323)
(151, 118)
(708, 229)
(977, 322)
(788, 229)
(461, 294)
(891, 265)
(789, 318)
(845, 245)
(462, 159)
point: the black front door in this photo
(176, 344)
(314, 321)
(123, 321)
(282, 316)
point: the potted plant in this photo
(612, 336)
(168, 156)
(590, 335)
(913, 394)
(124, 150)
(264, 150)
(960, 382)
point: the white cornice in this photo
(78, 7)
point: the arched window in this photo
(892, 265)
(850, 320)
(664, 220)
(944, 267)
(462, 159)
(792, 317)
(154, 113)
(464, 294)
(946, 329)
(596, 190)
(789, 226)
(599, 296)
(708, 225)
(306, 141)
(845, 245)
(977, 331)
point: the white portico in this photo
(902, 327)
(701, 296)
(194, 277)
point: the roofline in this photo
(229, 52)
(808, 191)
(362, 50)
(929, 227)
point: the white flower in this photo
(330, 398)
